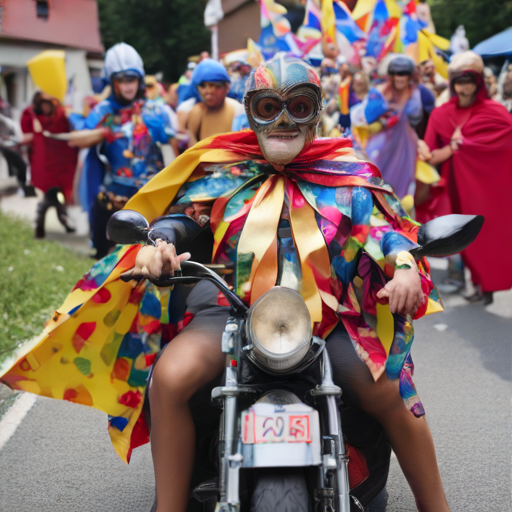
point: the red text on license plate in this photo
(276, 428)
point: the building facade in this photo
(28, 27)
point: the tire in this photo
(281, 490)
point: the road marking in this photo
(14, 416)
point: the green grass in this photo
(35, 277)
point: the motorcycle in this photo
(276, 443)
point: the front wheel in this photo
(280, 490)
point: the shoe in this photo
(475, 297)
(487, 298)
(39, 232)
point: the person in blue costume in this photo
(125, 132)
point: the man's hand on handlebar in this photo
(157, 262)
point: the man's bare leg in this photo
(190, 361)
(411, 440)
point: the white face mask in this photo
(283, 142)
(284, 124)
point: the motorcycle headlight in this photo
(279, 326)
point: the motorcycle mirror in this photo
(447, 235)
(127, 227)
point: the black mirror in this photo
(127, 227)
(447, 235)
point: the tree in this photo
(481, 19)
(164, 32)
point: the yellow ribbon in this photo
(261, 225)
(154, 198)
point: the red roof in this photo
(72, 23)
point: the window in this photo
(42, 9)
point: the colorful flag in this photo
(274, 26)
(410, 25)
(273, 15)
(390, 42)
(346, 24)
(254, 55)
(362, 13)
(380, 31)
(313, 15)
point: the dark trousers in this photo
(98, 218)
(16, 164)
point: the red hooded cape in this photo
(478, 180)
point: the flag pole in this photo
(215, 41)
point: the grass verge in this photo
(35, 277)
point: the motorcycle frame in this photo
(333, 486)
(332, 491)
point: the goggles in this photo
(266, 107)
(125, 77)
(399, 73)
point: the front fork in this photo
(230, 450)
(333, 495)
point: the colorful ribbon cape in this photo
(91, 350)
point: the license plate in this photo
(272, 424)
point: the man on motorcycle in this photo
(283, 103)
(127, 129)
(285, 209)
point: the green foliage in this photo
(164, 32)
(480, 19)
(35, 277)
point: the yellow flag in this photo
(438, 41)
(427, 51)
(48, 71)
(362, 8)
(393, 8)
(254, 56)
(328, 21)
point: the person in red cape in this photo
(52, 162)
(471, 138)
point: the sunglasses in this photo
(465, 79)
(267, 108)
(127, 79)
(399, 73)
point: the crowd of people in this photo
(396, 113)
(332, 218)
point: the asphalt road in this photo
(60, 457)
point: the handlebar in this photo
(193, 272)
